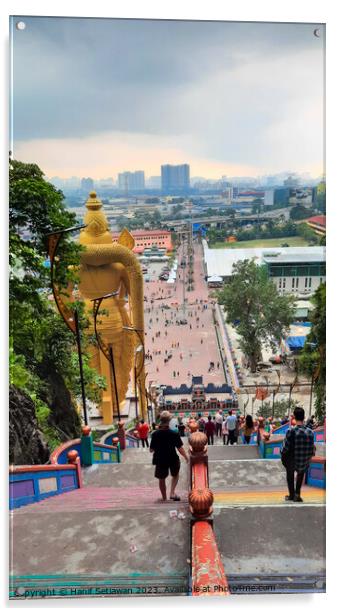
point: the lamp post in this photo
(107, 349)
(275, 391)
(70, 317)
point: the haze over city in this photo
(98, 96)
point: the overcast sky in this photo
(99, 96)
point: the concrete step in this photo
(97, 539)
(233, 452)
(264, 495)
(129, 475)
(224, 474)
(136, 455)
(285, 540)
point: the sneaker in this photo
(297, 499)
(289, 498)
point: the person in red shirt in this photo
(210, 430)
(143, 432)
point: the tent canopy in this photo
(296, 342)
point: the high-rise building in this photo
(130, 181)
(175, 178)
(154, 181)
(86, 184)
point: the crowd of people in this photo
(228, 428)
(166, 437)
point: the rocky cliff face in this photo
(57, 397)
(26, 441)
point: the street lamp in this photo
(275, 391)
(106, 349)
(70, 317)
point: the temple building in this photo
(147, 239)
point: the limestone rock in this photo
(26, 441)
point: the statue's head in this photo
(97, 228)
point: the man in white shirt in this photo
(231, 425)
(218, 423)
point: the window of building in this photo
(306, 282)
(310, 282)
(280, 283)
(284, 283)
(293, 283)
(297, 283)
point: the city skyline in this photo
(277, 178)
(234, 99)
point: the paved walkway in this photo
(196, 346)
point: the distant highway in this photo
(210, 220)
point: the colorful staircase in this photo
(111, 534)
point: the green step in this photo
(137, 584)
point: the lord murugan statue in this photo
(105, 268)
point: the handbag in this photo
(287, 457)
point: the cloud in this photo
(218, 91)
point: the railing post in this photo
(198, 449)
(73, 458)
(121, 435)
(116, 443)
(86, 447)
(207, 569)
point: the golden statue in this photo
(105, 268)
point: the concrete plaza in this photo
(193, 345)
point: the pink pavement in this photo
(198, 345)
(97, 498)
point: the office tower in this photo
(86, 184)
(130, 181)
(175, 178)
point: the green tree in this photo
(177, 209)
(320, 202)
(313, 358)
(307, 233)
(252, 302)
(298, 212)
(281, 408)
(42, 347)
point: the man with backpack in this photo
(201, 422)
(297, 450)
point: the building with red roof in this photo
(318, 224)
